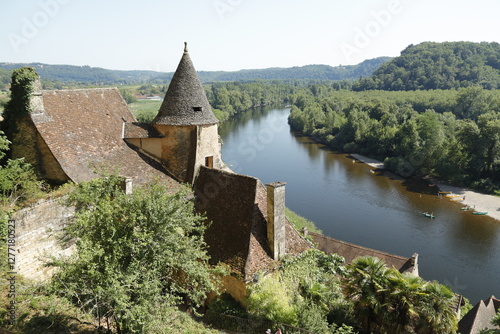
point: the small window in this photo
(209, 162)
(197, 108)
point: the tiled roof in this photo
(83, 130)
(236, 207)
(140, 130)
(185, 102)
(350, 252)
(228, 201)
(479, 317)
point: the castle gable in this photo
(83, 130)
(236, 208)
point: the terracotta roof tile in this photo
(350, 252)
(479, 317)
(140, 130)
(83, 129)
(236, 206)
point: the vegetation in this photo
(431, 65)
(228, 99)
(137, 255)
(305, 292)
(56, 76)
(386, 301)
(145, 110)
(448, 134)
(316, 292)
(18, 106)
(300, 222)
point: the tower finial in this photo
(185, 47)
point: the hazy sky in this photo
(233, 34)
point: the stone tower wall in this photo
(208, 145)
(178, 150)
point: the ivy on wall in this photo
(22, 86)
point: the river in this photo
(348, 202)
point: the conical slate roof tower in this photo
(185, 102)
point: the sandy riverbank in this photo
(371, 162)
(480, 202)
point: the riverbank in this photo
(369, 161)
(480, 202)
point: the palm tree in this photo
(366, 278)
(403, 295)
(436, 313)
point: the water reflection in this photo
(377, 210)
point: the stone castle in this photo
(69, 135)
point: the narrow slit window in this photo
(197, 108)
(209, 162)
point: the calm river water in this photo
(350, 203)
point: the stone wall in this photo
(37, 230)
(208, 146)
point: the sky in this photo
(231, 35)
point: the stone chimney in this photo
(414, 262)
(276, 218)
(126, 185)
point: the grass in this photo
(300, 222)
(145, 110)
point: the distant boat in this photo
(428, 215)
(480, 213)
(452, 196)
(465, 208)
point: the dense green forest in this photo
(432, 65)
(58, 76)
(450, 134)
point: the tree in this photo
(386, 301)
(18, 181)
(472, 102)
(365, 278)
(137, 254)
(435, 314)
(19, 105)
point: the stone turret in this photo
(185, 102)
(185, 129)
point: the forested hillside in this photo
(432, 65)
(312, 72)
(87, 75)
